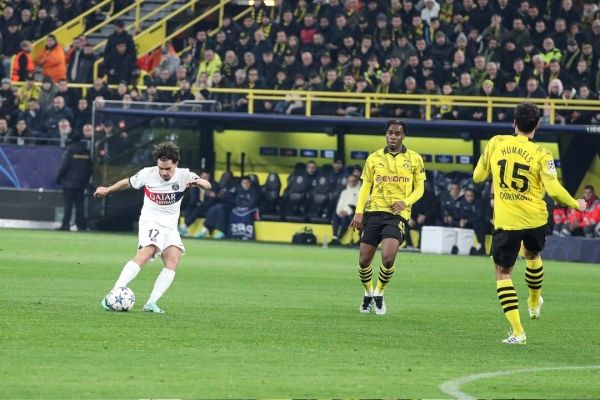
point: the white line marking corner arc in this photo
(452, 387)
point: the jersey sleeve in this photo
(139, 180)
(482, 170)
(551, 183)
(367, 172)
(419, 168)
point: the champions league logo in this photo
(175, 186)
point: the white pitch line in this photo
(452, 387)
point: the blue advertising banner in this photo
(29, 167)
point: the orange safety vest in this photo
(30, 65)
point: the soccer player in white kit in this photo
(164, 186)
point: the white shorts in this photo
(153, 234)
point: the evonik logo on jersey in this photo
(163, 199)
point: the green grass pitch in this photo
(251, 320)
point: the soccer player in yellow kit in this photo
(393, 180)
(521, 172)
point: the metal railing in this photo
(156, 35)
(429, 103)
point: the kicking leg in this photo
(132, 269)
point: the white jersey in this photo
(162, 199)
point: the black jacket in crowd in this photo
(76, 167)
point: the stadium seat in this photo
(318, 201)
(292, 207)
(270, 198)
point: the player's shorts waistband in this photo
(385, 214)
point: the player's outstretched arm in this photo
(200, 183)
(553, 186)
(104, 191)
(560, 194)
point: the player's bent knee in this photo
(145, 254)
(531, 255)
(388, 260)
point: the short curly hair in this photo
(166, 151)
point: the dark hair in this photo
(391, 122)
(527, 116)
(589, 187)
(166, 151)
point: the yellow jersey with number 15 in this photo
(522, 171)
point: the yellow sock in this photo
(366, 274)
(510, 304)
(534, 275)
(385, 274)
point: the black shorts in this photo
(506, 244)
(379, 225)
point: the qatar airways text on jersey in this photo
(162, 199)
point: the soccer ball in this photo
(121, 299)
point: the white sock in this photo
(164, 280)
(130, 271)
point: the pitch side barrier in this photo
(578, 145)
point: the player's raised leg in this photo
(389, 249)
(171, 256)
(365, 272)
(132, 269)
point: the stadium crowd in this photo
(528, 48)
(328, 195)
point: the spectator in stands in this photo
(211, 63)
(425, 212)
(450, 205)
(56, 113)
(217, 215)
(560, 218)
(20, 136)
(83, 115)
(27, 92)
(52, 60)
(533, 89)
(42, 26)
(471, 217)
(81, 65)
(65, 132)
(120, 64)
(312, 173)
(11, 44)
(98, 90)
(246, 196)
(344, 211)
(23, 65)
(34, 117)
(115, 147)
(119, 35)
(199, 203)
(585, 222)
(71, 96)
(5, 131)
